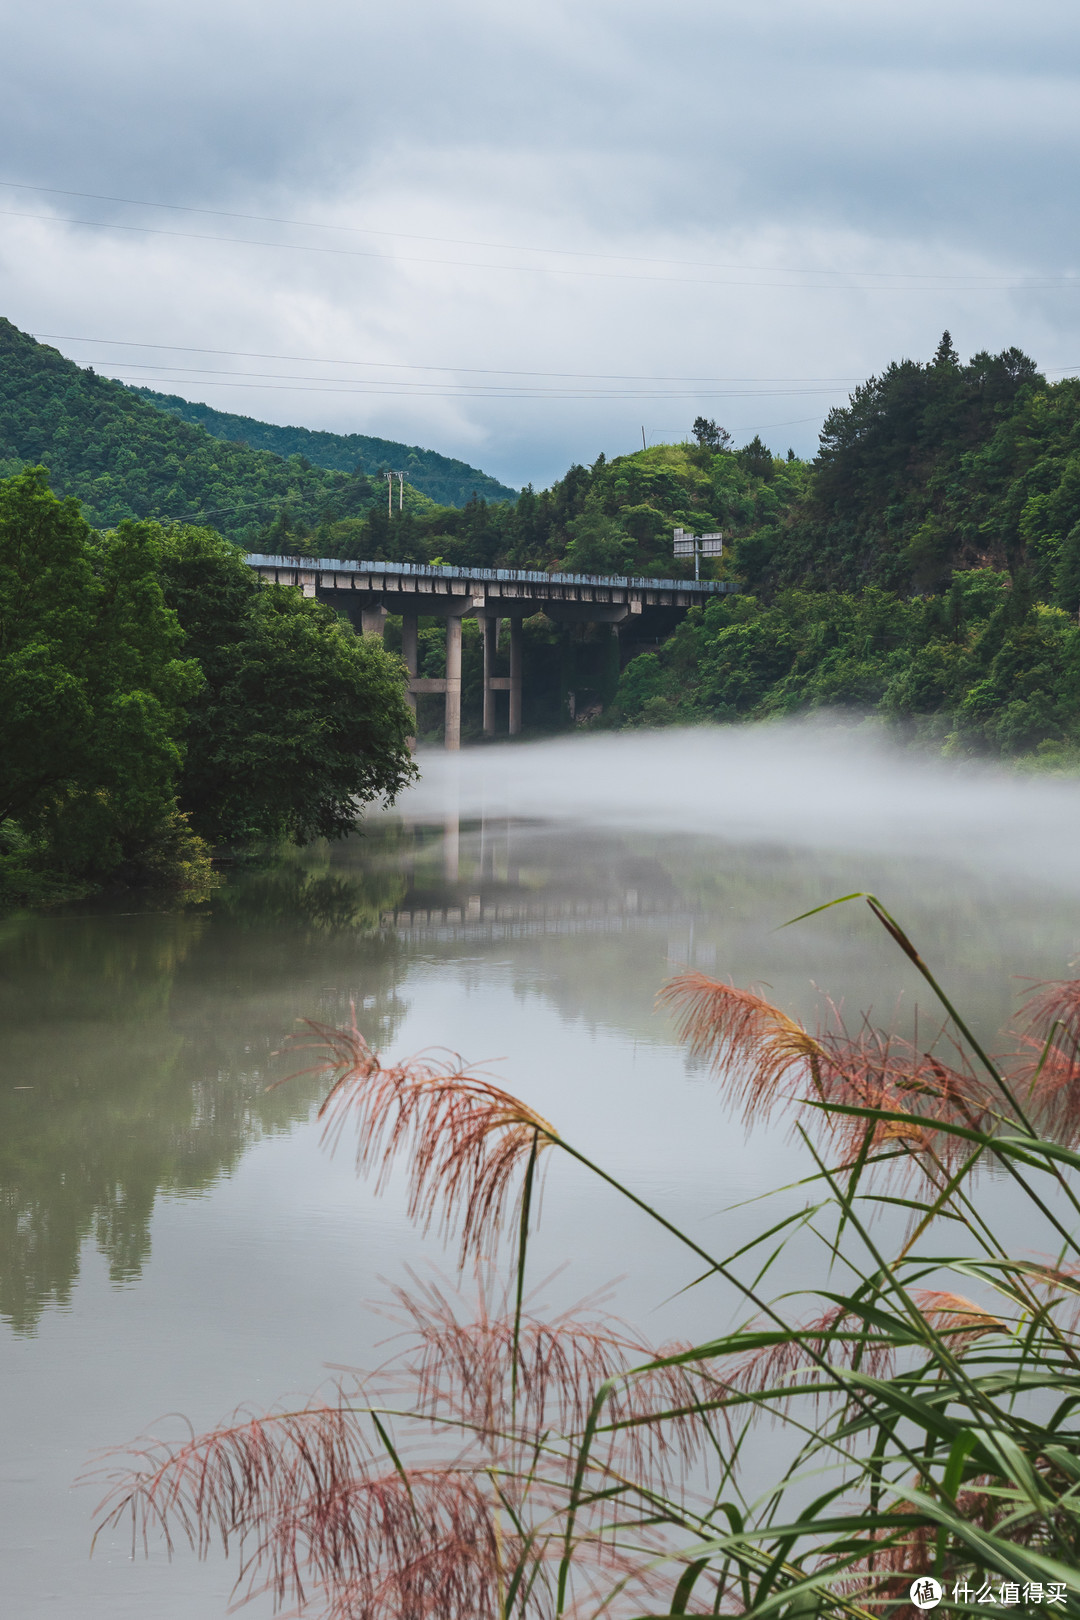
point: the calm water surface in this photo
(174, 1239)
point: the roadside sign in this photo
(685, 544)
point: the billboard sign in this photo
(685, 544)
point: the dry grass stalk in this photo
(466, 1140)
(460, 1369)
(765, 1052)
(842, 1340)
(438, 1512)
(767, 1060)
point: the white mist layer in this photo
(798, 785)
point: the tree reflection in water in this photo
(139, 1048)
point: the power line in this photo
(457, 241)
(390, 392)
(395, 365)
(546, 270)
(206, 377)
(478, 371)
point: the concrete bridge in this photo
(368, 591)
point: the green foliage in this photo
(860, 566)
(440, 478)
(123, 458)
(979, 669)
(300, 722)
(148, 680)
(614, 517)
(92, 693)
(933, 468)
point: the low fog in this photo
(811, 785)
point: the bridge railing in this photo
(535, 576)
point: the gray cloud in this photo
(928, 142)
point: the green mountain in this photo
(441, 478)
(123, 458)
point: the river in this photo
(173, 1237)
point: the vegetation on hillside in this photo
(441, 478)
(122, 458)
(888, 1395)
(925, 566)
(980, 668)
(930, 572)
(933, 468)
(156, 698)
(613, 517)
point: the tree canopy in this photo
(299, 722)
(93, 683)
(152, 688)
(443, 479)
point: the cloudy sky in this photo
(522, 234)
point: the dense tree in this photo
(441, 478)
(93, 680)
(918, 475)
(981, 668)
(151, 687)
(123, 458)
(300, 722)
(932, 474)
(709, 435)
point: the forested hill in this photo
(931, 468)
(124, 458)
(441, 478)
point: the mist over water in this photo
(798, 785)
(174, 1238)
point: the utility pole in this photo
(400, 491)
(390, 476)
(644, 446)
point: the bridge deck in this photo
(491, 595)
(434, 573)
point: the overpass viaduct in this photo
(368, 591)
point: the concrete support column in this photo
(516, 639)
(373, 621)
(453, 684)
(408, 653)
(488, 627)
(612, 665)
(408, 641)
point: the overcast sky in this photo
(521, 234)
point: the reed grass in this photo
(505, 1464)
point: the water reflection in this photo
(137, 1049)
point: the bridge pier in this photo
(408, 653)
(489, 628)
(491, 594)
(452, 732)
(516, 644)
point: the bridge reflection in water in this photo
(496, 881)
(368, 591)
